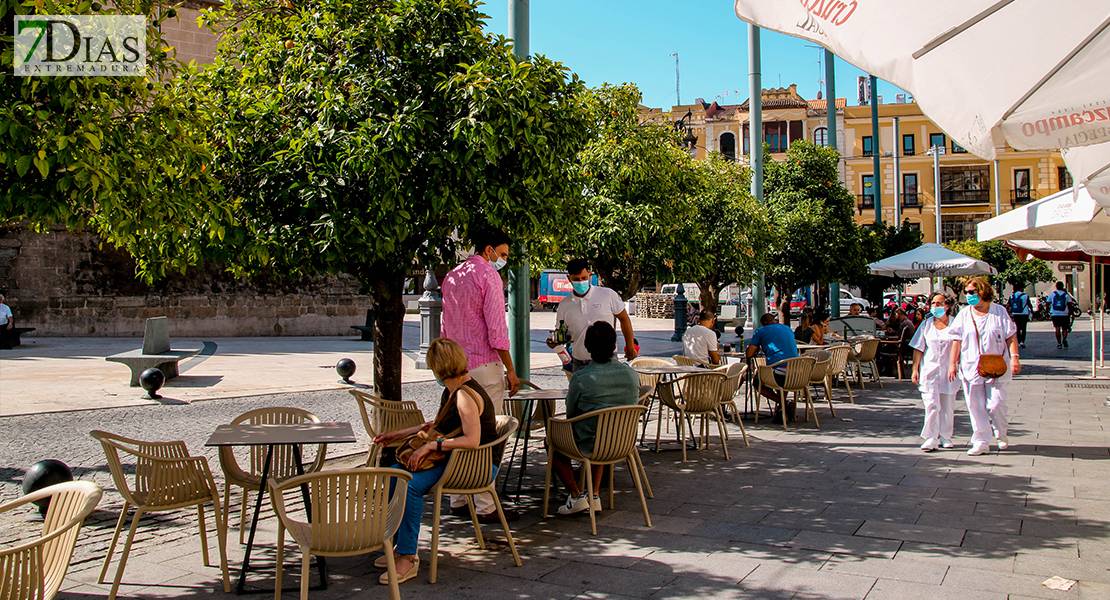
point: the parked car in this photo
(847, 300)
(554, 286)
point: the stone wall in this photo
(67, 284)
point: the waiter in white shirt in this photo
(587, 305)
(700, 341)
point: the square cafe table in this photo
(276, 435)
(667, 371)
(529, 398)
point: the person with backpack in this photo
(1021, 310)
(1059, 306)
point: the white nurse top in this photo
(994, 329)
(936, 344)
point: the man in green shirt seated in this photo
(603, 383)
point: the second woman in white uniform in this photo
(932, 345)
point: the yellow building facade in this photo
(972, 189)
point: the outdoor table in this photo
(529, 398)
(277, 435)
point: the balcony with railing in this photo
(911, 200)
(1022, 196)
(865, 202)
(963, 197)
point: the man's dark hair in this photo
(489, 237)
(706, 315)
(576, 265)
(767, 319)
(1059, 285)
(601, 341)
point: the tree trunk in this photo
(710, 293)
(389, 324)
(782, 302)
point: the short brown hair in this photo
(446, 359)
(982, 287)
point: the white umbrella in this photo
(1030, 73)
(930, 260)
(1069, 246)
(1065, 215)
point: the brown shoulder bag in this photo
(991, 366)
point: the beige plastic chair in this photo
(734, 373)
(615, 442)
(864, 354)
(838, 367)
(701, 396)
(165, 478)
(686, 361)
(798, 372)
(34, 570)
(380, 415)
(819, 376)
(652, 380)
(468, 473)
(282, 463)
(352, 514)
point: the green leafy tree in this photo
(722, 240)
(814, 236)
(635, 183)
(123, 157)
(1012, 269)
(369, 137)
(883, 241)
(1021, 273)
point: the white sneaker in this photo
(575, 504)
(979, 448)
(595, 503)
(945, 443)
(1003, 442)
(930, 445)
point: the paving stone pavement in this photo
(852, 510)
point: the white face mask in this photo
(499, 263)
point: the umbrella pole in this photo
(1094, 345)
(1101, 318)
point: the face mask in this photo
(973, 299)
(580, 287)
(938, 311)
(499, 263)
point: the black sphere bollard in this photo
(345, 367)
(42, 474)
(152, 380)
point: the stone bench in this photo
(367, 329)
(155, 352)
(11, 336)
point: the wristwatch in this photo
(439, 445)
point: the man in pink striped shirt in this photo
(474, 316)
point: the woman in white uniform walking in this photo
(932, 346)
(984, 328)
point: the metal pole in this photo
(876, 150)
(830, 112)
(1094, 342)
(680, 304)
(755, 129)
(897, 178)
(520, 284)
(936, 198)
(1101, 317)
(997, 190)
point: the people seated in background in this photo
(917, 317)
(899, 326)
(820, 328)
(602, 383)
(803, 333)
(777, 342)
(855, 309)
(700, 341)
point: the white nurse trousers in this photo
(987, 404)
(940, 412)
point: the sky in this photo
(618, 41)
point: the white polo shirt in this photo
(5, 314)
(599, 304)
(698, 341)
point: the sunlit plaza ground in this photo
(853, 509)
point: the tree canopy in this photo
(1012, 269)
(883, 241)
(814, 236)
(123, 157)
(370, 138)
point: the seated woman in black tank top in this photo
(466, 407)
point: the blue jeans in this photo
(422, 482)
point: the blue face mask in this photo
(973, 299)
(938, 311)
(580, 287)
